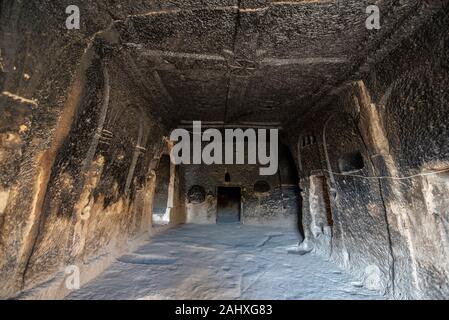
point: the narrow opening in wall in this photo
(161, 200)
(327, 202)
(227, 177)
(228, 204)
(288, 178)
(350, 162)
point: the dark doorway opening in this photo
(327, 202)
(289, 183)
(161, 215)
(228, 204)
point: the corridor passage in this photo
(222, 262)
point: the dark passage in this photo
(162, 182)
(228, 205)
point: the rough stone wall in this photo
(279, 206)
(77, 143)
(81, 126)
(413, 104)
(392, 233)
(354, 221)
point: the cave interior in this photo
(362, 115)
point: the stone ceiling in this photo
(251, 60)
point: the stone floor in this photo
(222, 262)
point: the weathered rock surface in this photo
(85, 115)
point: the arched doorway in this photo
(162, 200)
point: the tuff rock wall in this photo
(392, 231)
(79, 144)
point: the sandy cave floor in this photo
(222, 262)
